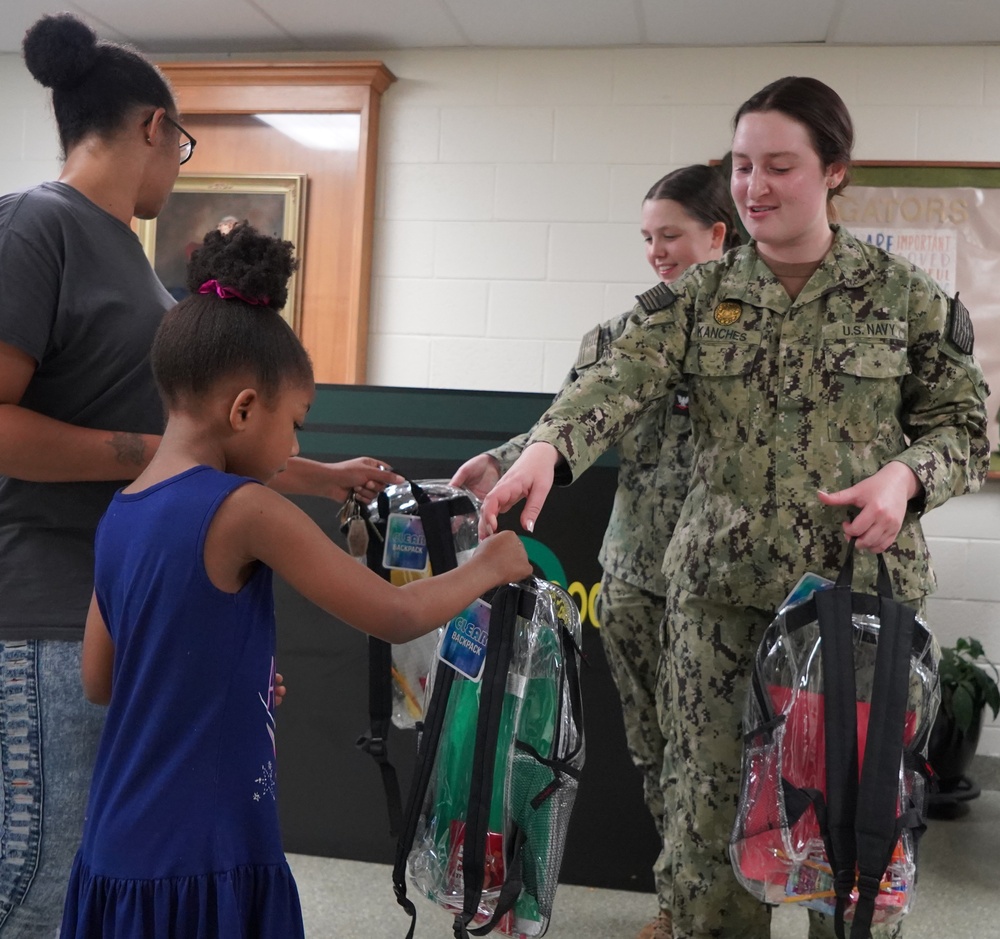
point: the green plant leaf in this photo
(993, 697)
(963, 707)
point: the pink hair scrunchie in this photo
(231, 293)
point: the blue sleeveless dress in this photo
(182, 839)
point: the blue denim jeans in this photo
(48, 740)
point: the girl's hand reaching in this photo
(505, 557)
(479, 475)
(364, 476)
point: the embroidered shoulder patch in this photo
(656, 298)
(589, 347)
(960, 327)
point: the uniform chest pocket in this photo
(719, 376)
(863, 387)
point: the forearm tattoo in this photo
(129, 449)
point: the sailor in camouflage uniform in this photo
(653, 471)
(866, 371)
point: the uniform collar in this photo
(749, 280)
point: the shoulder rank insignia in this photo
(960, 327)
(728, 312)
(656, 298)
(589, 349)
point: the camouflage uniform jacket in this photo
(653, 472)
(870, 363)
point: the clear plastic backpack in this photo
(497, 772)
(843, 695)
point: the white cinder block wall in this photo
(508, 198)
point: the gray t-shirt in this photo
(79, 296)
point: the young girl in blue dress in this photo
(182, 839)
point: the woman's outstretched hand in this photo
(882, 499)
(530, 478)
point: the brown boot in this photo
(660, 928)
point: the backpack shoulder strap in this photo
(376, 741)
(435, 518)
(833, 609)
(429, 738)
(505, 606)
(878, 822)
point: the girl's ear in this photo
(242, 409)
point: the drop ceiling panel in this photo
(917, 22)
(372, 24)
(736, 22)
(525, 23)
(174, 26)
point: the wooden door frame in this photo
(234, 88)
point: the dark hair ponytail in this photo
(703, 192)
(95, 83)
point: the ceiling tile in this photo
(185, 25)
(534, 23)
(374, 24)
(917, 22)
(729, 23)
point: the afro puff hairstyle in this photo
(206, 337)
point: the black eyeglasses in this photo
(186, 146)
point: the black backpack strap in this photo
(430, 736)
(493, 685)
(513, 883)
(833, 609)
(436, 520)
(878, 825)
(435, 517)
(375, 741)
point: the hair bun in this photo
(246, 261)
(59, 50)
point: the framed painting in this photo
(274, 204)
(945, 218)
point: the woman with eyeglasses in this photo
(79, 415)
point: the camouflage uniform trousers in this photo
(709, 649)
(630, 618)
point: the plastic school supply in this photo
(497, 771)
(415, 530)
(843, 695)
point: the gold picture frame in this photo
(273, 203)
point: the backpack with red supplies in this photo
(842, 698)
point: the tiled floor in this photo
(958, 896)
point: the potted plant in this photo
(968, 687)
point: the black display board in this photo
(331, 801)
